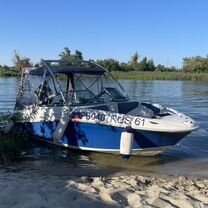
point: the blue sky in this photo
(165, 30)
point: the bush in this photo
(11, 147)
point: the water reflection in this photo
(8, 91)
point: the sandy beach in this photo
(45, 183)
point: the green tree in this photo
(145, 65)
(172, 69)
(160, 67)
(21, 62)
(110, 64)
(150, 65)
(134, 59)
(195, 64)
(78, 56)
(126, 67)
(5, 67)
(65, 55)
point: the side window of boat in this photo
(46, 92)
(62, 78)
(29, 97)
(27, 86)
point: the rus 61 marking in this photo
(139, 121)
(113, 118)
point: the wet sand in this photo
(52, 183)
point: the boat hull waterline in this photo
(101, 131)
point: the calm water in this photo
(190, 157)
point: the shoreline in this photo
(173, 76)
(50, 183)
(142, 75)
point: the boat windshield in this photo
(114, 94)
(82, 97)
(82, 89)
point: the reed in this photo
(137, 75)
(10, 73)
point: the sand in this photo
(48, 184)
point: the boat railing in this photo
(47, 63)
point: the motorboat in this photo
(80, 105)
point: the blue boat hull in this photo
(96, 137)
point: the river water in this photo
(189, 158)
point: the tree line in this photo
(196, 64)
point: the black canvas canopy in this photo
(67, 70)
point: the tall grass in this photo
(136, 75)
(8, 73)
(139, 75)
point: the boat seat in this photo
(125, 107)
